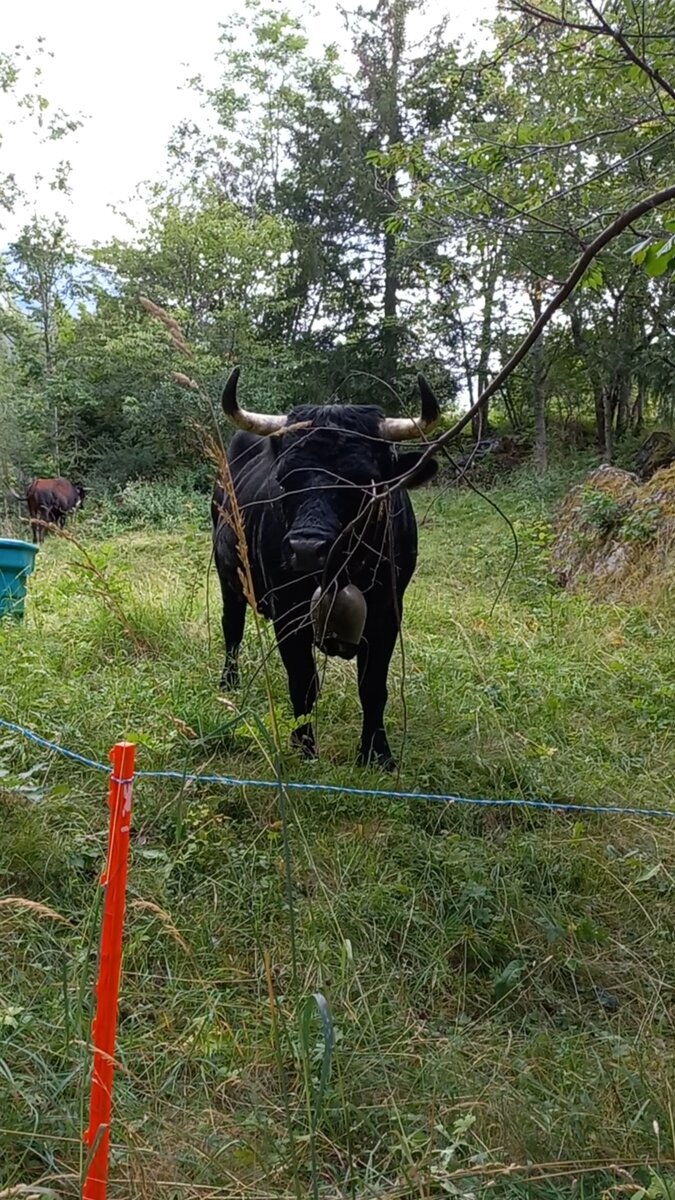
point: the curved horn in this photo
(261, 423)
(401, 429)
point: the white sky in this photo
(123, 66)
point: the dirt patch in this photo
(616, 536)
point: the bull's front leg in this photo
(233, 621)
(374, 655)
(295, 647)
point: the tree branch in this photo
(652, 72)
(603, 27)
(548, 18)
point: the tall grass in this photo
(498, 983)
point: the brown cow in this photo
(51, 500)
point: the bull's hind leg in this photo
(234, 619)
(303, 682)
(374, 656)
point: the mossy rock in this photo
(614, 535)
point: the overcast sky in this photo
(123, 66)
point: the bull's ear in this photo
(406, 462)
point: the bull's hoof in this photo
(229, 680)
(373, 757)
(303, 740)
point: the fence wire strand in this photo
(232, 781)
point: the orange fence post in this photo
(104, 1028)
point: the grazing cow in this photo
(307, 488)
(51, 500)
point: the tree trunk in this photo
(608, 435)
(510, 410)
(390, 332)
(391, 120)
(582, 348)
(481, 421)
(57, 440)
(623, 390)
(465, 361)
(539, 392)
(599, 402)
(45, 321)
(638, 413)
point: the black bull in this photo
(307, 496)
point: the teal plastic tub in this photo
(17, 560)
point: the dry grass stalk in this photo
(233, 517)
(185, 381)
(170, 323)
(105, 590)
(184, 728)
(29, 1191)
(90, 566)
(164, 917)
(91, 1049)
(40, 910)
(232, 514)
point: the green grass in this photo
(500, 981)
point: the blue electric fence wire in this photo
(339, 790)
(40, 741)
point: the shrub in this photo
(602, 511)
(142, 504)
(641, 524)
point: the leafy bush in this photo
(607, 514)
(603, 512)
(640, 524)
(146, 505)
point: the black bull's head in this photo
(330, 461)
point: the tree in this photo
(294, 135)
(40, 268)
(23, 102)
(538, 143)
(338, 221)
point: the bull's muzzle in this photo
(308, 554)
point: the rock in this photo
(614, 534)
(614, 563)
(581, 546)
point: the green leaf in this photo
(319, 1000)
(639, 251)
(508, 979)
(594, 278)
(667, 248)
(648, 873)
(659, 257)
(656, 267)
